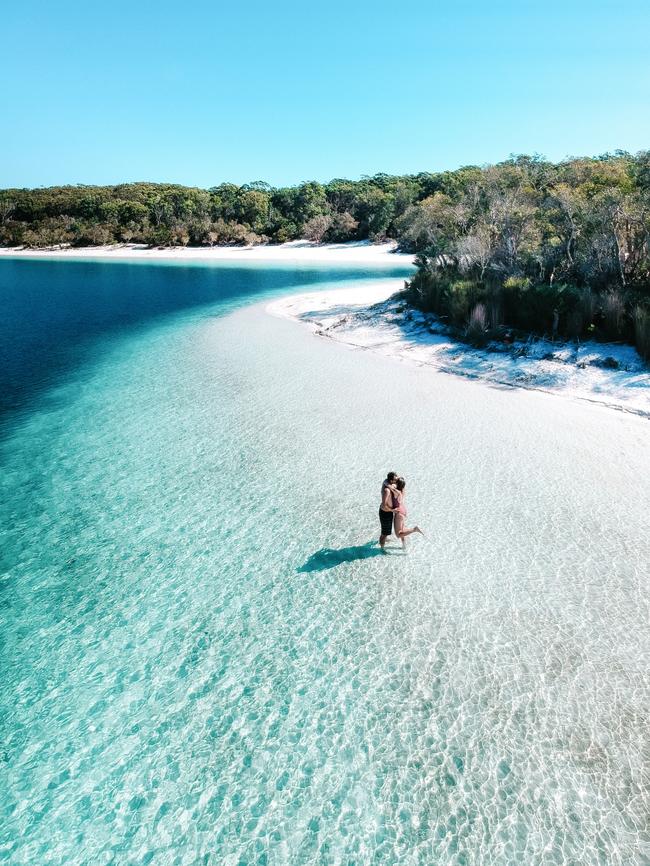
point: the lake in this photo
(205, 659)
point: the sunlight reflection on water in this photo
(206, 661)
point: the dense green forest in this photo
(172, 215)
(528, 245)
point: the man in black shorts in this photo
(386, 508)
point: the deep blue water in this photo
(55, 313)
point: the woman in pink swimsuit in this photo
(400, 512)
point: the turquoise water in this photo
(205, 661)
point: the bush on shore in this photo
(558, 250)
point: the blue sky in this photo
(200, 93)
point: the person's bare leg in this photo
(405, 532)
(399, 527)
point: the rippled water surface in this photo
(205, 660)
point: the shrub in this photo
(12, 233)
(199, 231)
(180, 236)
(476, 330)
(88, 234)
(460, 296)
(642, 331)
(222, 232)
(316, 227)
(532, 307)
(494, 303)
(517, 284)
(574, 324)
(50, 232)
(427, 288)
(613, 309)
(284, 231)
(343, 228)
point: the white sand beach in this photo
(295, 252)
(368, 316)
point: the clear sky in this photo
(203, 92)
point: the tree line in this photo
(531, 246)
(526, 245)
(173, 215)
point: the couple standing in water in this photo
(392, 510)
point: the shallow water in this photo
(61, 315)
(204, 660)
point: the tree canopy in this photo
(561, 249)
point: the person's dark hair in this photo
(400, 484)
(391, 476)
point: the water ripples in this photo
(180, 687)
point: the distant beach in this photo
(296, 252)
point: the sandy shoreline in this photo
(366, 316)
(296, 253)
